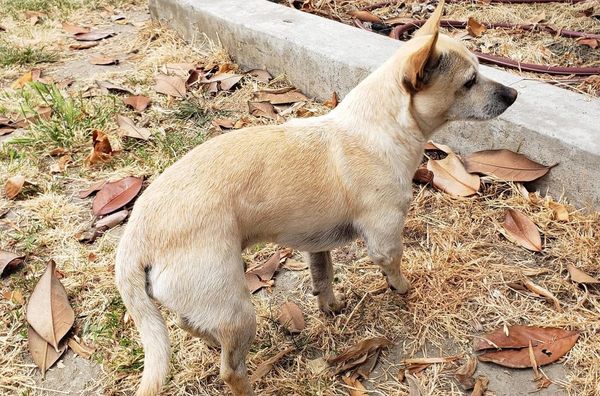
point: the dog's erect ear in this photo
(432, 26)
(420, 64)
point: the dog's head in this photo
(442, 76)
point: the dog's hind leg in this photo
(321, 271)
(207, 337)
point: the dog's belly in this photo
(319, 240)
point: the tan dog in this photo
(312, 184)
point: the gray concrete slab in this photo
(319, 56)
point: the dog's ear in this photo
(421, 64)
(432, 26)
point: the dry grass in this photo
(457, 259)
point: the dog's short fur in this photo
(312, 184)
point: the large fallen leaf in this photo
(279, 98)
(225, 81)
(267, 270)
(48, 309)
(579, 276)
(267, 365)
(357, 354)
(291, 317)
(549, 344)
(365, 16)
(128, 128)
(450, 176)
(170, 85)
(101, 148)
(260, 74)
(355, 387)
(137, 102)
(115, 195)
(254, 283)
(262, 109)
(9, 261)
(522, 230)
(107, 86)
(92, 36)
(505, 165)
(475, 28)
(13, 186)
(540, 291)
(43, 354)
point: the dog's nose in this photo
(508, 95)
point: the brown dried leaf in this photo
(423, 175)
(224, 123)
(107, 86)
(588, 41)
(267, 365)
(9, 261)
(431, 360)
(92, 189)
(450, 176)
(61, 164)
(93, 36)
(294, 265)
(357, 354)
(260, 74)
(275, 98)
(355, 387)
(128, 128)
(83, 45)
(262, 109)
(480, 387)
(74, 29)
(101, 148)
(579, 276)
(103, 60)
(254, 283)
(431, 145)
(549, 344)
(537, 289)
(14, 296)
(22, 81)
(43, 354)
(505, 165)
(170, 85)
(365, 16)
(137, 102)
(115, 195)
(559, 211)
(291, 317)
(80, 348)
(48, 309)
(333, 102)
(266, 271)
(475, 28)
(13, 186)
(112, 220)
(464, 374)
(522, 230)
(42, 113)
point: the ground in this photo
(464, 271)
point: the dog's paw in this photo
(332, 305)
(399, 284)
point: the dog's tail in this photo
(130, 276)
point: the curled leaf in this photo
(9, 261)
(267, 365)
(522, 230)
(475, 28)
(365, 16)
(540, 291)
(101, 148)
(115, 195)
(137, 102)
(450, 176)
(13, 186)
(128, 128)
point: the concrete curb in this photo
(320, 56)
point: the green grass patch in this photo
(17, 7)
(14, 55)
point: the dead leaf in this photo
(291, 317)
(225, 81)
(355, 387)
(464, 374)
(83, 45)
(431, 360)
(112, 220)
(576, 274)
(266, 271)
(480, 387)
(13, 186)
(128, 128)
(61, 164)
(263, 109)
(224, 123)
(357, 354)
(170, 85)
(537, 289)
(14, 296)
(275, 98)
(431, 145)
(101, 148)
(74, 29)
(107, 86)
(414, 386)
(559, 211)
(43, 354)
(22, 81)
(294, 265)
(115, 195)
(80, 348)
(333, 102)
(42, 113)
(536, 19)
(10, 261)
(505, 165)
(93, 36)
(522, 230)
(260, 74)
(549, 344)
(58, 152)
(103, 60)
(475, 28)
(254, 283)
(267, 365)
(137, 102)
(423, 175)
(588, 41)
(34, 16)
(92, 189)
(450, 176)
(365, 16)
(48, 309)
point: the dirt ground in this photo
(463, 269)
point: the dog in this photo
(312, 184)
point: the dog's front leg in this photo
(383, 235)
(321, 271)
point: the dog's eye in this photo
(471, 82)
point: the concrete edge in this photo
(320, 56)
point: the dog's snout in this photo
(508, 95)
